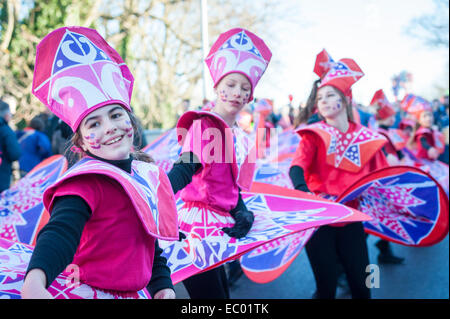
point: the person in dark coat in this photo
(35, 145)
(9, 147)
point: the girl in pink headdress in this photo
(214, 164)
(332, 154)
(108, 210)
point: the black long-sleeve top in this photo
(297, 175)
(58, 240)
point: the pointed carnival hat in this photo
(341, 74)
(417, 105)
(238, 50)
(384, 108)
(77, 72)
(408, 99)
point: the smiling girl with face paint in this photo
(108, 210)
(107, 133)
(233, 93)
(325, 165)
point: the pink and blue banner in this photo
(14, 260)
(274, 169)
(407, 205)
(22, 212)
(269, 261)
(165, 150)
(405, 219)
(279, 212)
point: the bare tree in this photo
(22, 28)
(160, 40)
(432, 28)
(164, 46)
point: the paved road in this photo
(423, 276)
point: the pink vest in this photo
(227, 155)
(129, 211)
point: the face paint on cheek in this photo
(94, 144)
(90, 136)
(129, 131)
(246, 98)
(222, 96)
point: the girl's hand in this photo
(34, 285)
(243, 221)
(166, 293)
(433, 153)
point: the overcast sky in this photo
(371, 32)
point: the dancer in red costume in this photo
(427, 142)
(328, 159)
(109, 209)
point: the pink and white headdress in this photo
(77, 72)
(238, 50)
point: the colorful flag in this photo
(406, 204)
(267, 262)
(14, 260)
(278, 211)
(22, 212)
(165, 150)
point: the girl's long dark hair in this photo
(311, 105)
(137, 154)
(306, 112)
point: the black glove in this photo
(243, 220)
